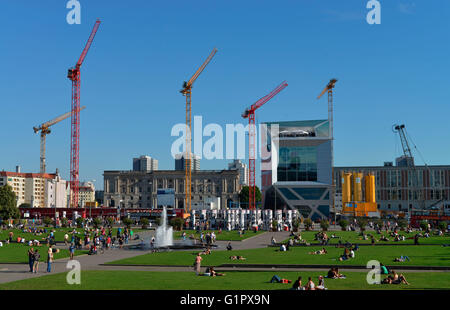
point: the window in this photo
(297, 164)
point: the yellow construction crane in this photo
(186, 91)
(45, 130)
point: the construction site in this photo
(317, 189)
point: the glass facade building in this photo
(297, 172)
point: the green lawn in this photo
(419, 255)
(223, 236)
(17, 253)
(59, 233)
(149, 280)
(354, 237)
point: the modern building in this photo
(86, 194)
(395, 189)
(180, 162)
(243, 170)
(138, 189)
(296, 168)
(39, 190)
(145, 163)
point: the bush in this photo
(308, 224)
(64, 222)
(362, 223)
(177, 223)
(47, 221)
(324, 224)
(443, 225)
(80, 222)
(424, 225)
(110, 221)
(144, 222)
(127, 221)
(402, 224)
(97, 222)
(295, 224)
(274, 225)
(343, 224)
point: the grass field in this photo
(59, 233)
(149, 280)
(432, 255)
(354, 237)
(17, 253)
(223, 236)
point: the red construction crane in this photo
(250, 114)
(187, 91)
(74, 76)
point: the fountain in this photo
(164, 233)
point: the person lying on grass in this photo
(237, 258)
(277, 279)
(319, 252)
(206, 252)
(395, 279)
(401, 259)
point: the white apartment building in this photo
(86, 193)
(40, 190)
(243, 170)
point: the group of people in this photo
(34, 258)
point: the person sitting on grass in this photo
(321, 284)
(298, 285)
(384, 269)
(214, 273)
(229, 247)
(384, 238)
(310, 286)
(346, 255)
(238, 257)
(319, 252)
(282, 248)
(333, 273)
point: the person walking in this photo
(49, 259)
(197, 264)
(36, 257)
(31, 258)
(72, 250)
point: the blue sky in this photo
(396, 72)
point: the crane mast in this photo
(187, 92)
(250, 114)
(45, 130)
(329, 89)
(74, 75)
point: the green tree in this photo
(47, 221)
(97, 222)
(343, 224)
(402, 224)
(243, 195)
(274, 225)
(296, 224)
(64, 222)
(144, 222)
(362, 223)
(324, 224)
(110, 221)
(443, 225)
(177, 223)
(424, 225)
(308, 224)
(25, 205)
(127, 221)
(8, 208)
(80, 222)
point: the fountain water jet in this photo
(164, 233)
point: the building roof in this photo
(27, 175)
